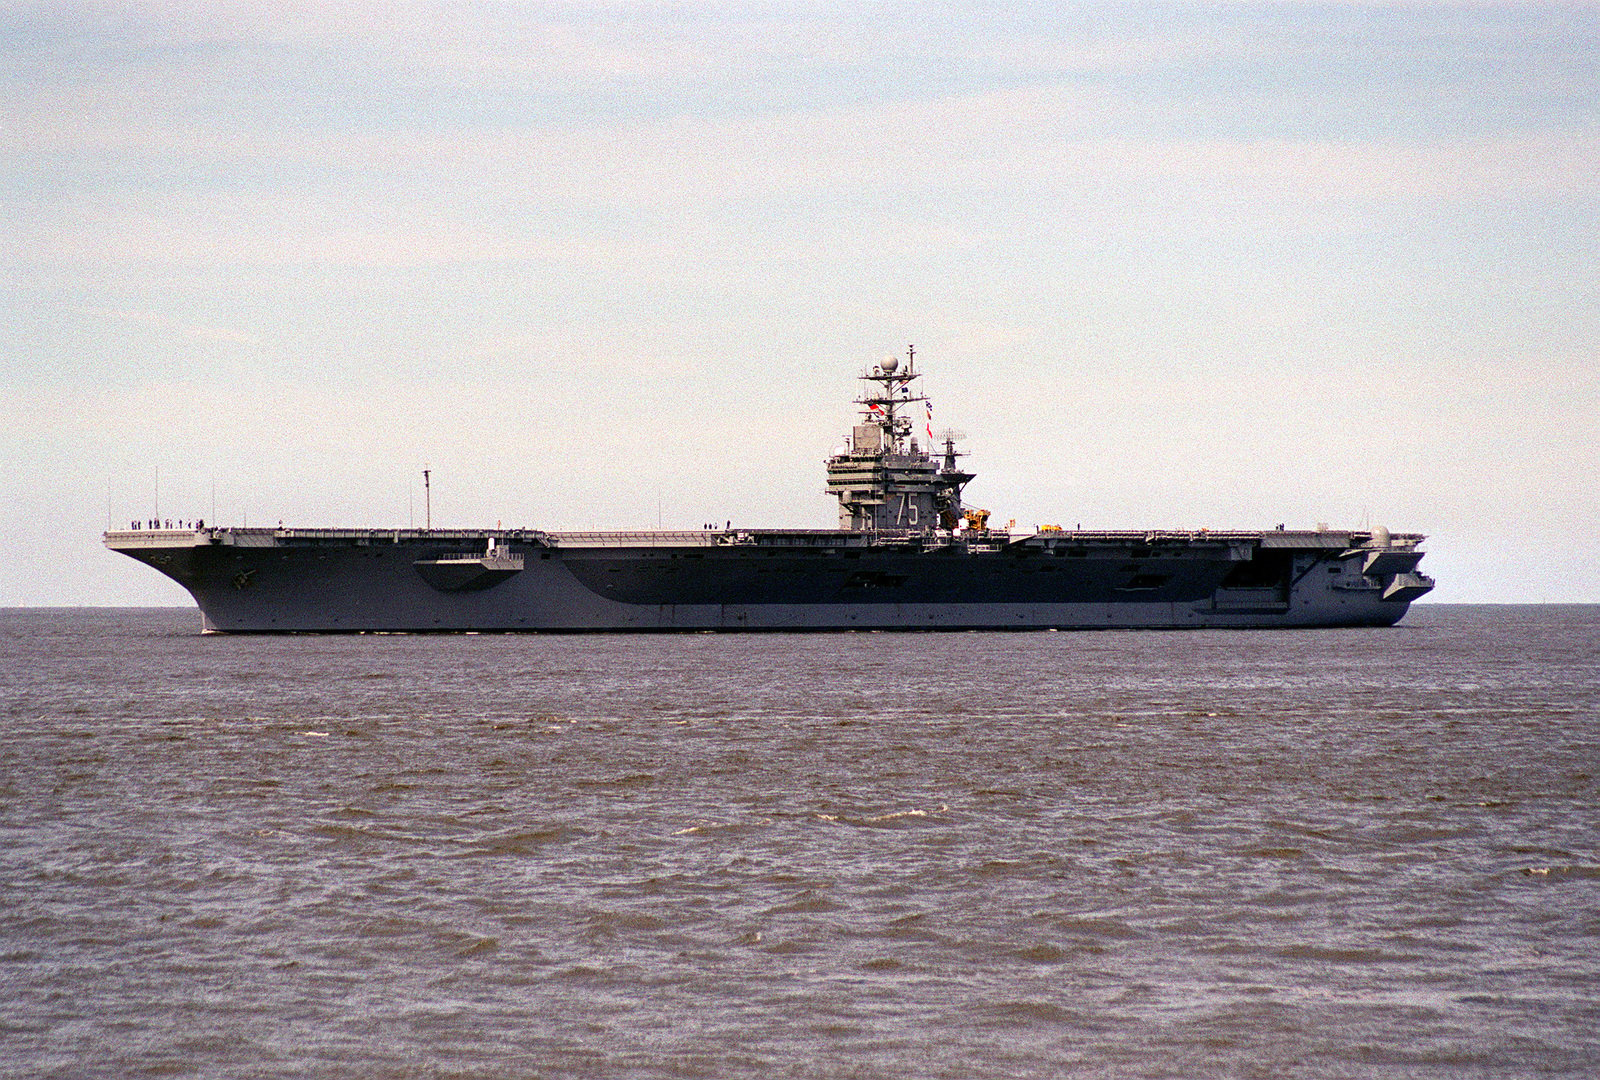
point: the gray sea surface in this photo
(1309, 853)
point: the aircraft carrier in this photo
(907, 555)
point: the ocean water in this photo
(1314, 853)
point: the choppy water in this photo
(1363, 853)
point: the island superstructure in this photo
(884, 481)
(908, 554)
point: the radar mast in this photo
(882, 404)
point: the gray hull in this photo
(277, 580)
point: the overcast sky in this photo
(1166, 265)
